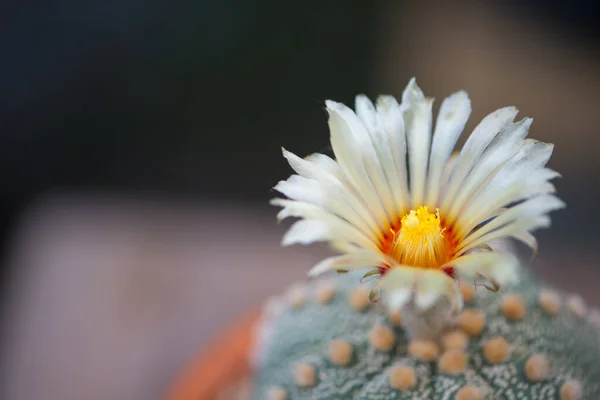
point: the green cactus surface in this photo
(325, 340)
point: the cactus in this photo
(327, 340)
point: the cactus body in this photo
(326, 341)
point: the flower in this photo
(396, 201)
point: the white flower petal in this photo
(506, 144)
(354, 152)
(303, 189)
(401, 283)
(399, 276)
(417, 119)
(360, 260)
(391, 121)
(365, 110)
(498, 267)
(333, 192)
(431, 284)
(448, 172)
(501, 194)
(302, 166)
(523, 224)
(520, 177)
(398, 285)
(398, 297)
(534, 154)
(343, 228)
(327, 164)
(531, 208)
(330, 198)
(496, 188)
(453, 116)
(475, 145)
(380, 135)
(528, 239)
(412, 94)
(306, 231)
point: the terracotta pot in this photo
(220, 365)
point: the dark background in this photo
(179, 109)
(189, 98)
(183, 98)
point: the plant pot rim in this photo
(222, 361)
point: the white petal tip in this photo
(332, 105)
(276, 202)
(285, 243)
(277, 187)
(396, 299)
(386, 100)
(412, 93)
(427, 300)
(326, 265)
(459, 98)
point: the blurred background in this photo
(141, 140)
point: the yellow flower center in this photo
(420, 241)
